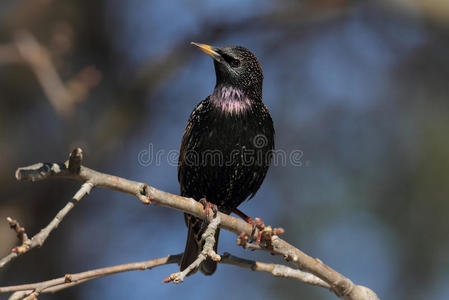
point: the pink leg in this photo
(208, 207)
(242, 215)
(256, 223)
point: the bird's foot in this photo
(263, 239)
(257, 223)
(208, 207)
(265, 233)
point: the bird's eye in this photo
(233, 62)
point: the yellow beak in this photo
(208, 50)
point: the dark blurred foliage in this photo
(360, 87)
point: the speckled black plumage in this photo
(226, 148)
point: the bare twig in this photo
(70, 280)
(342, 286)
(274, 269)
(208, 251)
(40, 62)
(9, 54)
(62, 96)
(39, 239)
(21, 235)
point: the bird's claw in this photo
(265, 233)
(208, 207)
(258, 224)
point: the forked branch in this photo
(312, 271)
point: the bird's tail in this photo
(194, 245)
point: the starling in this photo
(227, 144)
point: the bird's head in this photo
(236, 66)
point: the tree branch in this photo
(63, 96)
(69, 280)
(39, 239)
(342, 286)
(274, 269)
(208, 251)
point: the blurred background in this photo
(360, 87)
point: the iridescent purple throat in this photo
(230, 100)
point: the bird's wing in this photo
(269, 133)
(187, 136)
